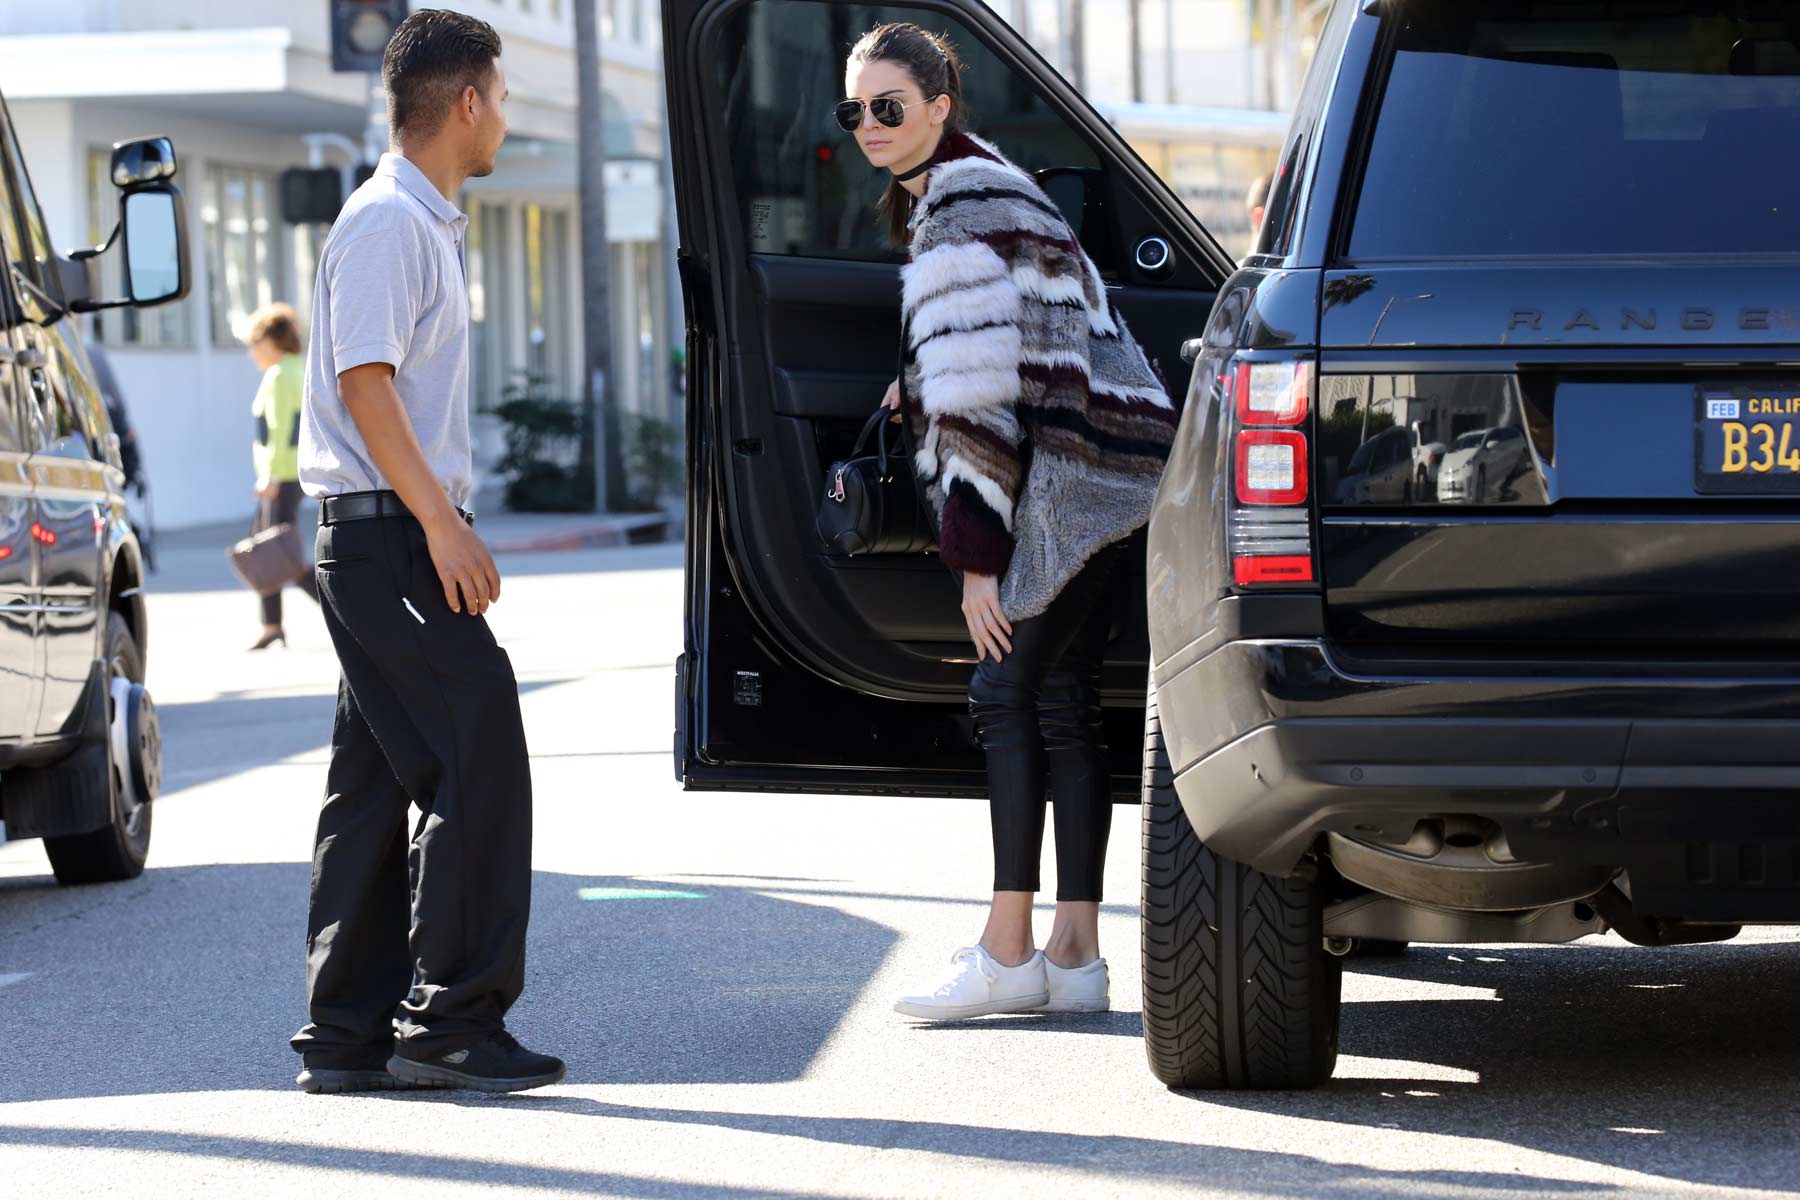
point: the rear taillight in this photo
(1271, 466)
(1271, 522)
(1273, 393)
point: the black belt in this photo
(360, 506)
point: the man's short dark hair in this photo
(433, 56)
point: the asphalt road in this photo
(717, 971)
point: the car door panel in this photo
(803, 669)
(20, 668)
(69, 481)
(21, 604)
(67, 471)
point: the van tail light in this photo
(1270, 533)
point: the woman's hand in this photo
(268, 491)
(988, 626)
(892, 399)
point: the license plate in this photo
(1747, 439)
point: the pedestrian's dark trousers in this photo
(416, 943)
(284, 506)
(1037, 714)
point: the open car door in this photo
(803, 671)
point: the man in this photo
(409, 981)
(1256, 201)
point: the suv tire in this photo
(118, 851)
(1239, 992)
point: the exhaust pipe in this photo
(1615, 906)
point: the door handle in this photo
(31, 358)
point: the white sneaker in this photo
(1078, 989)
(978, 986)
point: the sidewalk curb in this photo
(622, 531)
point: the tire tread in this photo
(1239, 999)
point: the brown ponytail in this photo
(932, 62)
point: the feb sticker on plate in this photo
(1720, 408)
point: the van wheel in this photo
(1239, 992)
(129, 771)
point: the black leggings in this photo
(1037, 713)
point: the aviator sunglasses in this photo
(887, 109)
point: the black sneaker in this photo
(330, 1073)
(497, 1063)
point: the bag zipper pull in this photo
(838, 494)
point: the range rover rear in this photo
(1474, 582)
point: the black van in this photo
(80, 753)
(1550, 687)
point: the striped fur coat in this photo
(1042, 429)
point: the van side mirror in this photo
(152, 225)
(147, 160)
(155, 257)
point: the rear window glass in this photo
(1539, 128)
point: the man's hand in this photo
(463, 563)
(268, 491)
(988, 626)
(464, 566)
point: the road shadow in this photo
(1221, 1169)
(209, 740)
(191, 979)
(1112, 1024)
(1679, 1062)
(356, 1165)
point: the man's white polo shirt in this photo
(391, 290)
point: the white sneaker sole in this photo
(1103, 1004)
(962, 1012)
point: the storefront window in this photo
(245, 262)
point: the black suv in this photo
(1526, 669)
(80, 755)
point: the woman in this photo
(1042, 432)
(275, 347)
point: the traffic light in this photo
(311, 194)
(360, 30)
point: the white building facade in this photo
(238, 84)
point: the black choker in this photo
(916, 171)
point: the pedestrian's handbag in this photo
(872, 502)
(270, 560)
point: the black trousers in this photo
(420, 939)
(1037, 714)
(284, 506)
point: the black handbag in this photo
(872, 503)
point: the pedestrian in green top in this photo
(275, 346)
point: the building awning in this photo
(1197, 123)
(257, 76)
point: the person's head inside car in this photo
(1256, 202)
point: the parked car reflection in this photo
(1428, 463)
(1381, 470)
(1479, 465)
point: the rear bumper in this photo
(1690, 779)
